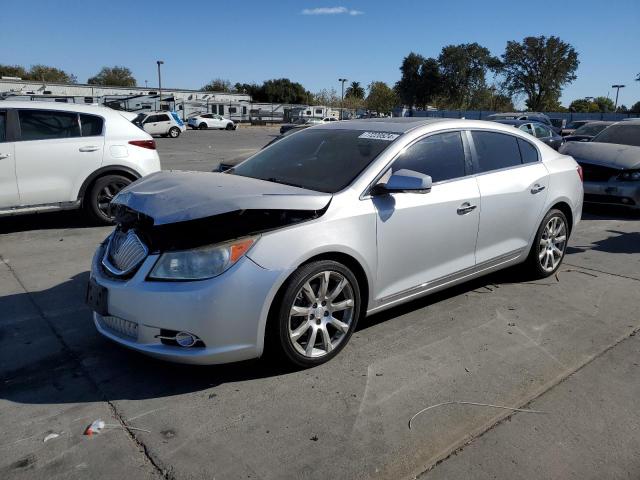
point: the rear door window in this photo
(48, 124)
(163, 118)
(91, 125)
(3, 126)
(495, 150)
(528, 152)
(441, 156)
(541, 132)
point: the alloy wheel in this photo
(552, 244)
(106, 194)
(321, 314)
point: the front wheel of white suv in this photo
(97, 201)
(174, 132)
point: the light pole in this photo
(342, 80)
(617, 87)
(159, 62)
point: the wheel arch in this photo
(565, 208)
(101, 172)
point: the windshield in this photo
(325, 160)
(621, 134)
(590, 129)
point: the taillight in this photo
(150, 144)
(579, 169)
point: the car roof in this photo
(393, 124)
(520, 122)
(69, 107)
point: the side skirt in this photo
(47, 207)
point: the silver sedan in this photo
(288, 250)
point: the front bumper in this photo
(613, 192)
(227, 313)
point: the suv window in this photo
(495, 150)
(440, 156)
(162, 118)
(541, 132)
(151, 119)
(526, 128)
(48, 124)
(3, 126)
(91, 125)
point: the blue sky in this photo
(254, 40)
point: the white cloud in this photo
(331, 11)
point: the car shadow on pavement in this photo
(617, 242)
(593, 211)
(45, 221)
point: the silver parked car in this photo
(290, 248)
(611, 164)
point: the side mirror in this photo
(404, 181)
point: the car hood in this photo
(179, 196)
(607, 154)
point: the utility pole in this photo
(342, 80)
(159, 62)
(617, 87)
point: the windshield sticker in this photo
(387, 137)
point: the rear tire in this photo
(549, 245)
(174, 132)
(317, 313)
(98, 197)
(203, 126)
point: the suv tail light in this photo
(150, 144)
(579, 169)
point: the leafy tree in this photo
(539, 67)
(604, 104)
(635, 108)
(13, 71)
(283, 90)
(463, 69)
(622, 109)
(45, 73)
(253, 89)
(116, 76)
(420, 82)
(584, 105)
(326, 97)
(217, 85)
(381, 98)
(354, 91)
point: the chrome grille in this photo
(125, 252)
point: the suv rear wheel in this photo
(97, 201)
(174, 132)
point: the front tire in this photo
(174, 132)
(549, 245)
(318, 313)
(97, 201)
(229, 126)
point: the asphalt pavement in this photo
(565, 346)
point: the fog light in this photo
(185, 339)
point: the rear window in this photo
(496, 150)
(324, 160)
(621, 134)
(48, 124)
(91, 125)
(590, 129)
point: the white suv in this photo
(211, 120)
(57, 157)
(165, 124)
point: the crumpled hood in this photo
(177, 196)
(607, 154)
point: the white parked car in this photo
(63, 156)
(211, 120)
(165, 124)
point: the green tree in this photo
(584, 105)
(420, 81)
(463, 69)
(217, 85)
(328, 98)
(381, 98)
(256, 91)
(354, 91)
(45, 73)
(604, 104)
(13, 71)
(622, 109)
(635, 108)
(115, 76)
(539, 67)
(283, 90)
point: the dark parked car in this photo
(530, 116)
(610, 164)
(300, 123)
(587, 131)
(573, 126)
(542, 132)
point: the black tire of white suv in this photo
(98, 197)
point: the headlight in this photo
(200, 263)
(629, 175)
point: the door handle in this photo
(90, 148)
(537, 188)
(465, 208)
(4, 155)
